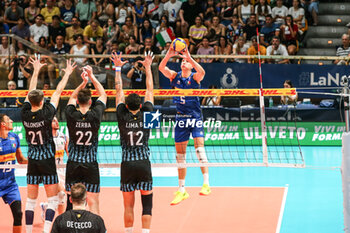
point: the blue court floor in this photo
(314, 200)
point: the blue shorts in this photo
(9, 190)
(187, 126)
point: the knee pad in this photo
(16, 209)
(52, 202)
(147, 204)
(30, 205)
(61, 197)
(201, 155)
(181, 160)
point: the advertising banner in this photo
(229, 133)
(238, 75)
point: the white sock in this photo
(128, 229)
(182, 186)
(29, 228)
(206, 178)
(47, 226)
(145, 230)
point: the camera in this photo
(344, 81)
(17, 60)
(139, 65)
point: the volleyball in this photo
(179, 44)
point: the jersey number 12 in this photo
(139, 141)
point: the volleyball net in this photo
(229, 140)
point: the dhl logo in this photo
(171, 92)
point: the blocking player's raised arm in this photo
(200, 72)
(37, 66)
(170, 74)
(149, 77)
(98, 86)
(55, 98)
(118, 63)
(73, 98)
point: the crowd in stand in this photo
(220, 27)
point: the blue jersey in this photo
(187, 105)
(8, 147)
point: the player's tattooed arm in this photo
(118, 63)
(149, 77)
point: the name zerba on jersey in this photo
(134, 125)
(33, 124)
(82, 125)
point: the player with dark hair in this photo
(188, 110)
(61, 144)
(78, 219)
(83, 126)
(37, 117)
(10, 150)
(135, 171)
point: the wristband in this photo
(118, 69)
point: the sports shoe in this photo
(43, 206)
(179, 197)
(205, 191)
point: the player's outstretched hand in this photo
(84, 75)
(186, 55)
(171, 52)
(88, 70)
(117, 59)
(148, 59)
(36, 62)
(70, 67)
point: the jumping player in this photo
(37, 119)
(10, 150)
(83, 126)
(136, 171)
(61, 143)
(188, 110)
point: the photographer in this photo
(20, 72)
(11, 102)
(137, 74)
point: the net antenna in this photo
(262, 108)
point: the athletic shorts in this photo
(9, 190)
(136, 175)
(86, 173)
(42, 171)
(186, 128)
